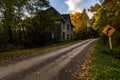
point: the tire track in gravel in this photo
(52, 69)
(19, 71)
(68, 72)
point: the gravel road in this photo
(53, 65)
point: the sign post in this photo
(108, 30)
(110, 42)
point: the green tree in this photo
(12, 18)
(108, 13)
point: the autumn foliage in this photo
(79, 21)
(108, 14)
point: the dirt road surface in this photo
(52, 65)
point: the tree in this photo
(13, 14)
(79, 21)
(108, 13)
(94, 8)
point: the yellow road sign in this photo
(108, 30)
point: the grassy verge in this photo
(104, 66)
(17, 54)
(100, 65)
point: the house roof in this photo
(56, 13)
(66, 17)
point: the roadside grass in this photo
(103, 65)
(18, 54)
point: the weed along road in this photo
(46, 66)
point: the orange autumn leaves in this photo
(79, 21)
(76, 21)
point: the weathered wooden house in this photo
(62, 26)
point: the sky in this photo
(71, 6)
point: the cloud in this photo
(79, 5)
(74, 5)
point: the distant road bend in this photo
(43, 67)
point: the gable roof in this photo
(56, 13)
(66, 17)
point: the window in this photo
(63, 25)
(68, 37)
(67, 26)
(63, 35)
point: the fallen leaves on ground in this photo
(84, 73)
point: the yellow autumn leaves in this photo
(79, 20)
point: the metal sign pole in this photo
(110, 42)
